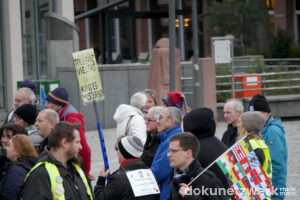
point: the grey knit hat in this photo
(131, 147)
(253, 121)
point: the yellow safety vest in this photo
(267, 165)
(56, 180)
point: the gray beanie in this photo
(131, 147)
(253, 121)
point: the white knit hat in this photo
(131, 147)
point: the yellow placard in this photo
(88, 75)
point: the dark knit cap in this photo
(259, 103)
(253, 121)
(27, 112)
(131, 147)
(200, 121)
(29, 84)
(58, 96)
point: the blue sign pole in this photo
(102, 143)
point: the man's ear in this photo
(31, 102)
(64, 142)
(189, 153)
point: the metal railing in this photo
(277, 74)
(278, 77)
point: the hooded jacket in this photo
(118, 187)
(160, 166)
(137, 126)
(12, 182)
(70, 114)
(38, 187)
(207, 180)
(201, 123)
(273, 134)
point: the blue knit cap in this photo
(58, 96)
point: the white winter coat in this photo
(137, 126)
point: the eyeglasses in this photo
(149, 120)
(173, 151)
(161, 117)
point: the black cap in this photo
(27, 112)
(259, 103)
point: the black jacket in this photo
(230, 135)
(118, 187)
(207, 180)
(38, 187)
(12, 180)
(201, 123)
(150, 148)
(43, 145)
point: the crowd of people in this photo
(161, 146)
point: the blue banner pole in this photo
(102, 143)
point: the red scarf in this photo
(128, 161)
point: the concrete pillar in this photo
(13, 47)
(141, 28)
(65, 8)
(209, 83)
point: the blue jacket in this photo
(12, 182)
(273, 134)
(160, 165)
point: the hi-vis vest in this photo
(57, 188)
(267, 165)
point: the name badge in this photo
(142, 182)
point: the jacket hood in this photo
(200, 122)
(124, 110)
(27, 162)
(273, 121)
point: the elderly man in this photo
(153, 140)
(57, 175)
(45, 122)
(169, 122)
(23, 96)
(232, 111)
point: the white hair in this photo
(175, 113)
(29, 94)
(138, 100)
(156, 111)
(238, 105)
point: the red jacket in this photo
(69, 114)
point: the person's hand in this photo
(184, 189)
(91, 177)
(104, 173)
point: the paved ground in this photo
(292, 128)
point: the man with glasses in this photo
(182, 154)
(153, 140)
(168, 125)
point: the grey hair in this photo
(156, 111)
(151, 93)
(29, 94)
(138, 100)
(238, 105)
(175, 113)
(51, 115)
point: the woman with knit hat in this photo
(250, 124)
(25, 116)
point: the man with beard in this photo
(57, 174)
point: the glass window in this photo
(34, 40)
(2, 80)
